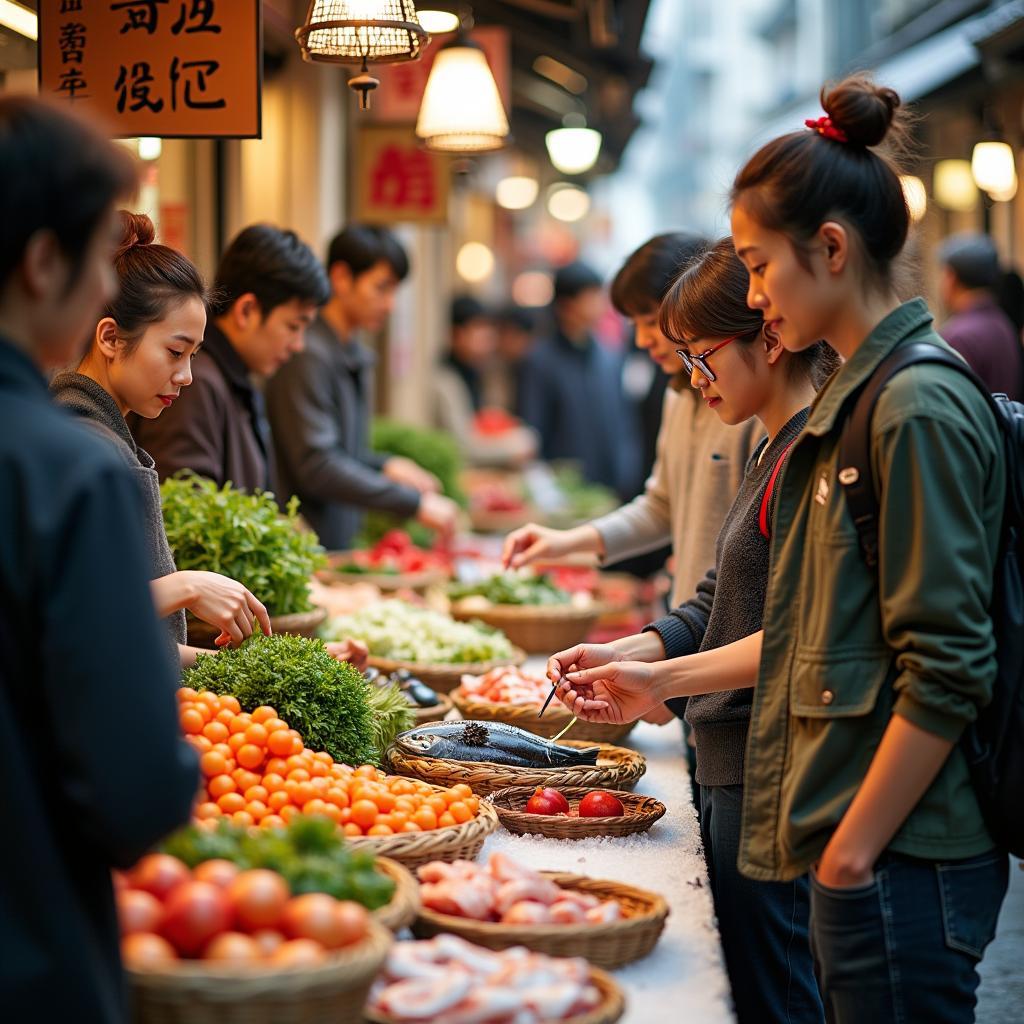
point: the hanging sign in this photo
(397, 181)
(166, 68)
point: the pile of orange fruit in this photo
(257, 771)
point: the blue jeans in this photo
(763, 925)
(904, 948)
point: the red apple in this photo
(547, 801)
(601, 804)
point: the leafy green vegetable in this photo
(392, 713)
(584, 500)
(522, 588)
(309, 853)
(326, 700)
(243, 536)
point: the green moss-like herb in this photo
(243, 536)
(326, 700)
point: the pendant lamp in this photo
(361, 32)
(461, 110)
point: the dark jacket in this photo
(572, 396)
(846, 648)
(985, 336)
(320, 406)
(728, 606)
(217, 427)
(95, 770)
(99, 411)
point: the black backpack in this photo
(994, 744)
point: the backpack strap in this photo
(855, 471)
(766, 498)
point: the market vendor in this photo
(266, 292)
(320, 403)
(487, 437)
(95, 769)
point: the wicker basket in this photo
(386, 582)
(453, 842)
(538, 629)
(641, 813)
(484, 521)
(193, 993)
(401, 911)
(616, 768)
(610, 1010)
(604, 945)
(554, 720)
(202, 634)
(434, 714)
(444, 678)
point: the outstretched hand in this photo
(614, 693)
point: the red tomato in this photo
(314, 916)
(259, 898)
(352, 920)
(233, 948)
(547, 801)
(158, 873)
(600, 804)
(144, 951)
(193, 914)
(268, 940)
(137, 911)
(298, 953)
(220, 873)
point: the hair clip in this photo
(824, 126)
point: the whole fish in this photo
(494, 742)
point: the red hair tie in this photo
(824, 126)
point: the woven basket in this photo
(202, 634)
(444, 678)
(611, 1009)
(401, 911)
(538, 629)
(604, 945)
(483, 521)
(453, 842)
(193, 993)
(434, 714)
(616, 768)
(554, 720)
(386, 582)
(641, 813)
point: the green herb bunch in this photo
(309, 853)
(518, 588)
(243, 536)
(327, 701)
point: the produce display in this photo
(243, 536)
(598, 804)
(327, 701)
(507, 686)
(257, 771)
(448, 979)
(494, 742)
(583, 500)
(519, 588)
(394, 554)
(309, 854)
(225, 916)
(403, 632)
(505, 892)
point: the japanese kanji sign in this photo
(397, 181)
(170, 68)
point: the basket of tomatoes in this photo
(394, 563)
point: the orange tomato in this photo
(337, 796)
(314, 806)
(270, 724)
(212, 763)
(437, 803)
(473, 803)
(367, 771)
(279, 743)
(297, 762)
(322, 755)
(207, 697)
(230, 703)
(200, 743)
(350, 828)
(192, 721)
(364, 813)
(223, 748)
(276, 766)
(459, 811)
(230, 803)
(302, 793)
(288, 812)
(207, 809)
(272, 782)
(298, 775)
(250, 756)
(273, 821)
(246, 778)
(332, 812)
(224, 716)
(398, 819)
(215, 732)
(243, 818)
(278, 799)
(411, 826)
(256, 734)
(387, 821)
(425, 818)
(380, 830)
(318, 769)
(257, 792)
(221, 784)
(263, 713)
(257, 808)
(445, 820)
(236, 741)
(186, 693)
(240, 723)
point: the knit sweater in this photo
(697, 472)
(728, 606)
(94, 404)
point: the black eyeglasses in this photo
(700, 362)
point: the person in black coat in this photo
(95, 770)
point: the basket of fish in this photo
(503, 904)
(488, 756)
(449, 979)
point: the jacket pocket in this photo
(839, 683)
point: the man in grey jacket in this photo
(319, 404)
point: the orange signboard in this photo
(397, 180)
(168, 68)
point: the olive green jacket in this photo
(844, 648)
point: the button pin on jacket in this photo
(827, 696)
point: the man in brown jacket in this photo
(268, 287)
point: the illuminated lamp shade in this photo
(953, 186)
(437, 23)
(533, 288)
(568, 203)
(915, 195)
(461, 110)
(993, 166)
(573, 150)
(361, 32)
(19, 18)
(1007, 194)
(474, 262)
(516, 193)
(150, 148)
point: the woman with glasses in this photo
(741, 372)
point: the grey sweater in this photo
(728, 606)
(89, 400)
